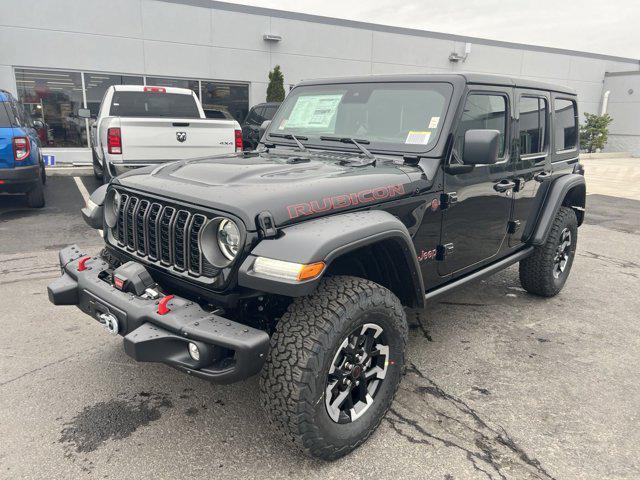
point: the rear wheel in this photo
(35, 197)
(334, 365)
(545, 272)
(106, 176)
(97, 167)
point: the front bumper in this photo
(230, 351)
(19, 179)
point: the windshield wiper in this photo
(291, 136)
(357, 143)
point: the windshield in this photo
(388, 116)
(153, 104)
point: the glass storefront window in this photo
(175, 82)
(225, 100)
(96, 85)
(54, 98)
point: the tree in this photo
(275, 90)
(594, 132)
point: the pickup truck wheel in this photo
(106, 176)
(35, 197)
(545, 272)
(97, 167)
(334, 365)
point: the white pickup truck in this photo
(143, 125)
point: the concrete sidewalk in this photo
(616, 177)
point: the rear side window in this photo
(269, 112)
(483, 111)
(566, 126)
(255, 116)
(533, 125)
(5, 119)
(153, 104)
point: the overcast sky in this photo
(604, 26)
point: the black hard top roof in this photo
(471, 78)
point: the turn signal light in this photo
(296, 272)
(114, 141)
(21, 148)
(239, 144)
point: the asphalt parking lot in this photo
(500, 384)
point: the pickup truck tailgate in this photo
(160, 139)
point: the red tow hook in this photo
(81, 264)
(162, 306)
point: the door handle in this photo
(504, 185)
(542, 176)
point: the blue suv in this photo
(21, 163)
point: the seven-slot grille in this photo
(162, 233)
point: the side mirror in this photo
(481, 147)
(263, 128)
(84, 113)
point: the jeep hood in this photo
(292, 186)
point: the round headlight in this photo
(112, 207)
(229, 238)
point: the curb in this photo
(68, 171)
(602, 155)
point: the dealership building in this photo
(63, 54)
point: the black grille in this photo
(162, 233)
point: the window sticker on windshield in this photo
(282, 124)
(314, 111)
(434, 122)
(419, 138)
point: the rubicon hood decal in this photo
(345, 200)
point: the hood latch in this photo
(267, 225)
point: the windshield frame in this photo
(446, 88)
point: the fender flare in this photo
(327, 239)
(93, 215)
(554, 198)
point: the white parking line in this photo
(82, 188)
(85, 195)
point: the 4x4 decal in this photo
(344, 200)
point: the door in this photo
(532, 165)
(477, 200)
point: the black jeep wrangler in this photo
(366, 195)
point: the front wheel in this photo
(545, 272)
(334, 365)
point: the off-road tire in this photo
(35, 196)
(536, 271)
(302, 348)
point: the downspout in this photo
(605, 102)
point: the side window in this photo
(269, 112)
(566, 124)
(5, 117)
(533, 125)
(482, 111)
(254, 117)
(14, 113)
